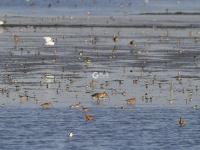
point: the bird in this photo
(70, 134)
(181, 122)
(48, 78)
(195, 107)
(23, 98)
(88, 117)
(76, 105)
(16, 39)
(132, 42)
(84, 109)
(100, 95)
(46, 105)
(49, 41)
(131, 101)
(115, 38)
(2, 22)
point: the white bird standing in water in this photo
(70, 134)
(1, 22)
(49, 41)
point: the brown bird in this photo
(181, 122)
(23, 98)
(100, 95)
(131, 101)
(88, 117)
(46, 105)
(16, 39)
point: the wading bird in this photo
(88, 117)
(46, 105)
(131, 101)
(181, 122)
(49, 41)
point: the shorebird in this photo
(76, 105)
(16, 39)
(49, 78)
(100, 95)
(88, 117)
(181, 122)
(132, 43)
(70, 134)
(178, 77)
(49, 41)
(2, 22)
(46, 105)
(116, 38)
(195, 107)
(23, 98)
(131, 101)
(84, 109)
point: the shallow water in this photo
(162, 95)
(112, 128)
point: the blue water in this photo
(113, 128)
(95, 7)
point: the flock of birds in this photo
(98, 97)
